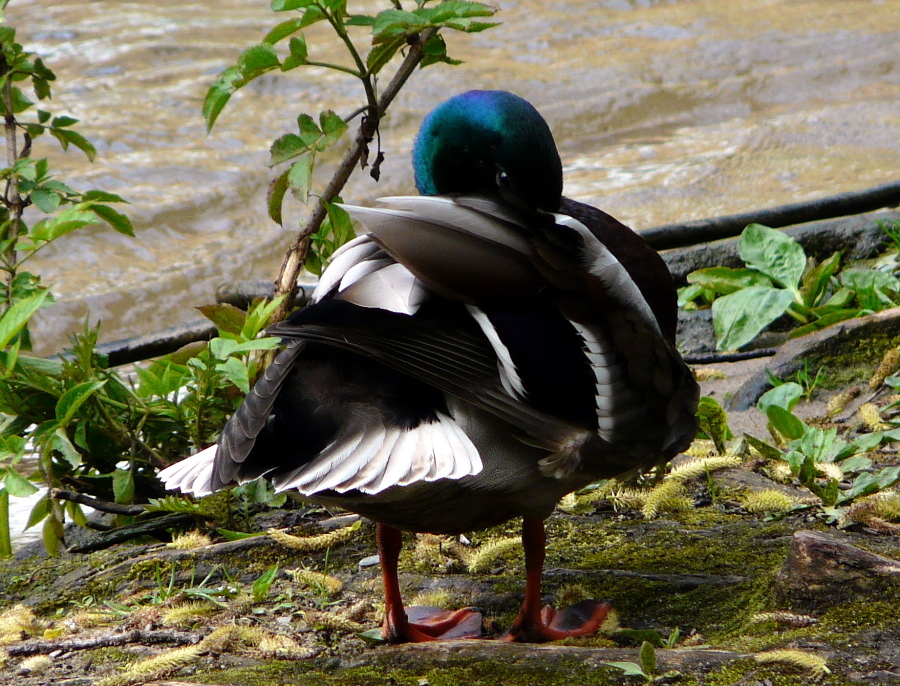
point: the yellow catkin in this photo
(313, 543)
(187, 614)
(154, 667)
(627, 498)
(705, 374)
(317, 580)
(19, 622)
(189, 540)
(483, 559)
(838, 402)
(35, 664)
(870, 416)
(889, 364)
(332, 622)
(796, 658)
(87, 620)
(667, 496)
(280, 646)
(438, 597)
(695, 467)
(876, 511)
(788, 618)
(830, 469)
(701, 447)
(760, 502)
(780, 471)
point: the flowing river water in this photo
(664, 111)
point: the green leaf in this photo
(62, 122)
(724, 280)
(333, 127)
(382, 53)
(648, 658)
(628, 668)
(123, 486)
(225, 316)
(46, 201)
(770, 452)
(257, 60)
(390, 23)
(785, 423)
(114, 218)
(219, 93)
(67, 136)
(63, 445)
(287, 147)
(298, 54)
(275, 197)
(20, 102)
(291, 26)
(785, 396)
(16, 317)
(229, 535)
(310, 133)
(372, 636)
(102, 196)
(827, 320)
(774, 253)
(74, 398)
(299, 177)
(287, 5)
(815, 280)
(40, 510)
(18, 485)
(740, 316)
(236, 372)
(262, 585)
(52, 534)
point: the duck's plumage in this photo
(477, 355)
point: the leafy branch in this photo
(326, 227)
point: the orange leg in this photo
(537, 625)
(430, 624)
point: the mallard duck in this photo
(488, 347)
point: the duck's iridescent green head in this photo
(489, 142)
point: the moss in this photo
(852, 358)
(572, 672)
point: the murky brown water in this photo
(664, 111)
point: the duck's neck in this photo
(490, 142)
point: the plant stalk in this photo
(286, 283)
(11, 199)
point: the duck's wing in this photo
(591, 271)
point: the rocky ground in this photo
(723, 585)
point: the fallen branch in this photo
(100, 505)
(705, 230)
(105, 641)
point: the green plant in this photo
(261, 586)
(778, 279)
(90, 429)
(647, 669)
(834, 469)
(418, 30)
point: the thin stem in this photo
(12, 199)
(335, 67)
(286, 283)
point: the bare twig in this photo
(101, 505)
(286, 283)
(105, 641)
